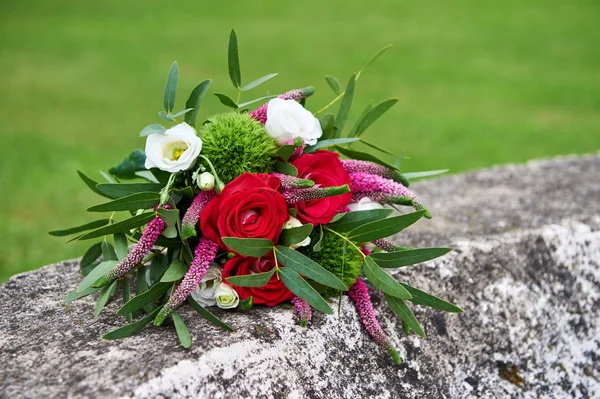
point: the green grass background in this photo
(480, 83)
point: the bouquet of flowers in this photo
(253, 207)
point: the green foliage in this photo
(236, 143)
(127, 168)
(331, 256)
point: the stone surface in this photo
(525, 270)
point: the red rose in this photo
(326, 170)
(249, 207)
(271, 294)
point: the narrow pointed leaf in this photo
(195, 100)
(345, 105)
(171, 87)
(154, 128)
(422, 298)
(334, 84)
(74, 295)
(105, 294)
(108, 251)
(327, 122)
(406, 315)
(372, 115)
(226, 101)
(354, 130)
(120, 227)
(258, 82)
(408, 257)
(133, 328)
(131, 202)
(127, 297)
(139, 301)
(352, 220)
(121, 246)
(91, 255)
(330, 142)
(295, 235)
(254, 247)
(126, 189)
(209, 316)
(234, 60)
(84, 227)
(185, 339)
(90, 183)
(176, 270)
(251, 280)
(373, 146)
(304, 290)
(245, 104)
(384, 281)
(95, 274)
(429, 173)
(183, 112)
(384, 228)
(308, 268)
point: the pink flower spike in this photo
(389, 246)
(303, 310)
(359, 293)
(204, 254)
(137, 253)
(310, 194)
(291, 182)
(190, 220)
(260, 114)
(356, 166)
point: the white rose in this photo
(174, 150)
(290, 224)
(205, 293)
(364, 204)
(226, 296)
(287, 119)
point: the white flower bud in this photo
(226, 296)
(206, 181)
(290, 224)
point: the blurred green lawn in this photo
(480, 83)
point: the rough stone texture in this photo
(525, 270)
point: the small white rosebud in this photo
(226, 296)
(290, 224)
(206, 181)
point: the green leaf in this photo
(158, 267)
(418, 175)
(126, 189)
(185, 339)
(404, 313)
(362, 156)
(329, 143)
(242, 105)
(384, 281)
(408, 257)
(84, 227)
(170, 216)
(165, 116)
(234, 60)
(286, 168)
(351, 220)
(134, 162)
(126, 297)
(139, 301)
(369, 117)
(251, 280)
(295, 235)
(154, 128)
(171, 87)
(334, 84)
(178, 114)
(108, 251)
(308, 268)
(91, 255)
(422, 298)
(373, 146)
(285, 151)
(121, 245)
(176, 270)
(254, 247)
(257, 82)
(90, 183)
(209, 316)
(226, 101)
(105, 294)
(74, 295)
(195, 100)
(327, 126)
(345, 106)
(95, 274)
(319, 243)
(384, 228)
(120, 227)
(304, 290)
(133, 328)
(131, 202)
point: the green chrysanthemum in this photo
(331, 257)
(236, 143)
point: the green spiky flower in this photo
(236, 143)
(331, 257)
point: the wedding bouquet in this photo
(253, 207)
